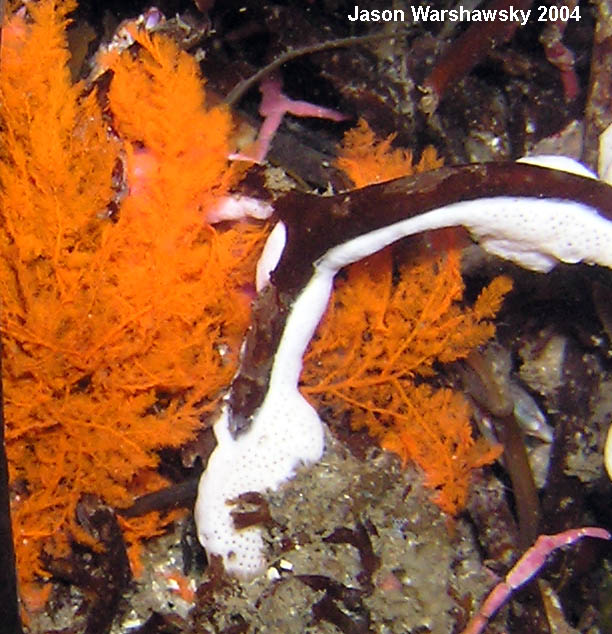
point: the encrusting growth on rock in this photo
(390, 319)
(121, 319)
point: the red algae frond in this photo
(391, 319)
(118, 333)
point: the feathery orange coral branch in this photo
(390, 320)
(367, 159)
(378, 336)
(118, 333)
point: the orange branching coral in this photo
(366, 159)
(379, 336)
(391, 319)
(157, 103)
(118, 332)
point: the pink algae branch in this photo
(525, 569)
(274, 106)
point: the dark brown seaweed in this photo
(315, 224)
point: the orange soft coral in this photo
(119, 333)
(378, 336)
(367, 159)
(391, 319)
(157, 102)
